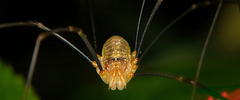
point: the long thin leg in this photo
(192, 8)
(33, 64)
(188, 81)
(147, 25)
(89, 46)
(67, 29)
(70, 29)
(53, 32)
(138, 25)
(84, 38)
(36, 50)
(42, 36)
(92, 23)
(37, 46)
(184, 80)
(205, 47)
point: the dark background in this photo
(61, 73)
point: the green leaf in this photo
(12, 85)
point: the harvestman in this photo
(117, 66)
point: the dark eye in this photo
(115, 59)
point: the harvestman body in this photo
(117, 64)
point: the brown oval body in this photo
(116, 47)
(119, 65)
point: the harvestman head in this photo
(117, 65)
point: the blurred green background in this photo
(63, 74)
(12, 84)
